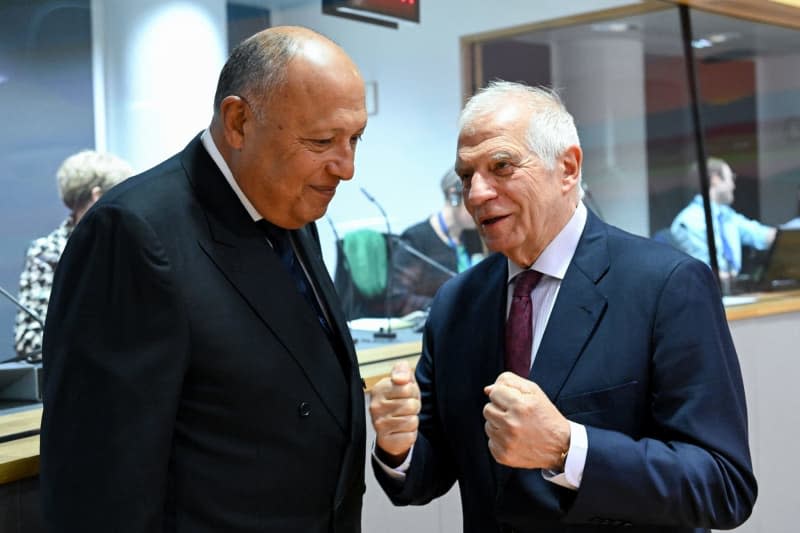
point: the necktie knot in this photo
(278, 237)
(525, 282)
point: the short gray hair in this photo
(551, 129)
(256, 68)
(79, 174)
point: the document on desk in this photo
(411, 320)
(729, 301)
(379, 324)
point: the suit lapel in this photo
(487, 345)
(577, 310)
(492, 293)
(240, 251)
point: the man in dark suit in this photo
(199, 373)
(622, 401)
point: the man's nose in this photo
(480, 190)
(342, 164)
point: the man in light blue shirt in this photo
(731, 229)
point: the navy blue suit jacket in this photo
(637, 349)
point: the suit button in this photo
(304, 409)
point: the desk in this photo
(376, 357)
(19, 458)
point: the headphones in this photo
(454, 194)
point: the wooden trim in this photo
(764, 11)
(766, 304)
(639, 8)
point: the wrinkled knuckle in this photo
(417, 406)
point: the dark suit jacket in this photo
(188, 386)
(638, 350)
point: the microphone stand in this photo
(385, 333)
(36, 355)
(432, 262)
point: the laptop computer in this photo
(781, 270)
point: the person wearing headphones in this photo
(434, 250)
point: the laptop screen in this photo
(782, 269)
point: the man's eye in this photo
(503, 167)
(355, 139)
(322, 142)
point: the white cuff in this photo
(398, 473)
(572, 475)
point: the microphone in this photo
(36, 355)
(22, 306)
(425, 258)
(387, 333)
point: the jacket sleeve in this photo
(692, 467)
(115, 353)
(432, 472)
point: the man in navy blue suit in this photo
(625, 406)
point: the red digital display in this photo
(400, 9)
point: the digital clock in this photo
(360, 9)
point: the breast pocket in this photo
(612, 407)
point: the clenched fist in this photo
(524, 427)
(394, 408)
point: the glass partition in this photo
(625, 81)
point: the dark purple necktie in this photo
(519, 326)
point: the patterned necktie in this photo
(519, 326)
(279, 239)
(727, 251)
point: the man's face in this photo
(724, 185)
(291, 162)
(518, 204)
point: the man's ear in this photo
(570, 166)
(234, 114)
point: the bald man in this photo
(199, 372)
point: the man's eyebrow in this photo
(499, 156)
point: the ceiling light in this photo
(719, 38)
(615, 27)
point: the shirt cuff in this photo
(398, 473)
(572, 475)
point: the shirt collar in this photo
(716, 209)
(555, 259)
(213, 151)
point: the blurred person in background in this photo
(434, 250)
(732, 230)
(82, 179)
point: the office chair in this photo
(362, 265)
